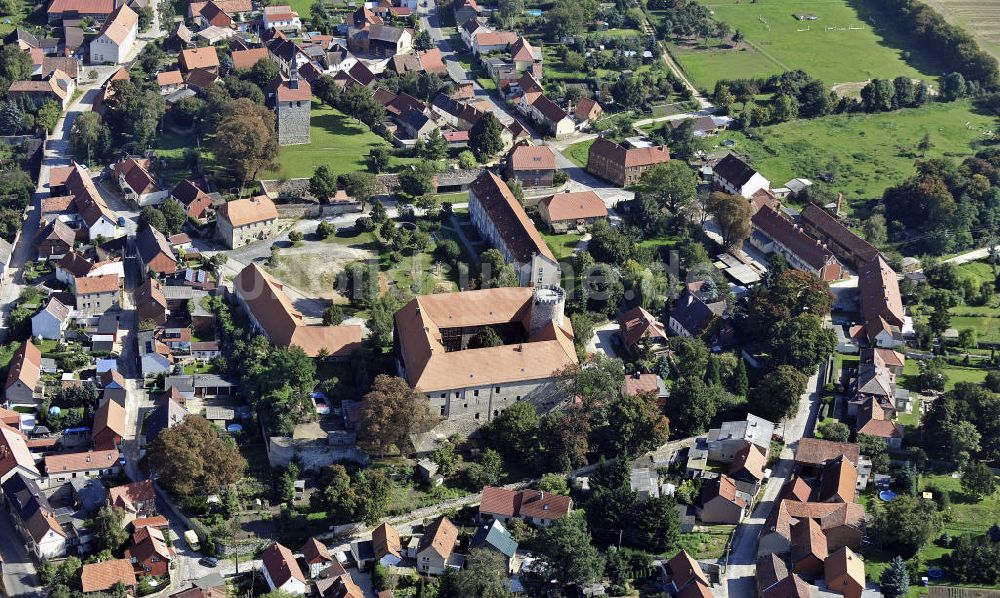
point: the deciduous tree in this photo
(246, 142)
(732, 215)
(391, 413)
(191, 457)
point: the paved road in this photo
(19, 578)
(972, 256)
(739, 577)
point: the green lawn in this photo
(335, 140)
(865, 152)
(578, 152)
(561, 245)
(16, 18)
(853, 51)
(955, 374)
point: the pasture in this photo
(865, 153)
(837, 41)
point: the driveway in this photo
(604, 340)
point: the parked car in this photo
(209, 561)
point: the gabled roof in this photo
(431, 61)
(496, 536)
(521, 50)
(783, 231)
(97, 577)
(879, 290)
(83, 7)
(586, 108)
(147, 543)
(385, 541)
(722, 487)
(284, 324)
(167, 414)
(122, 23)
(684, 570)
(508, 217)
(25, 366)
(57, 230)
(770, 570)
(385, 33)
(814, 451)
(89, 285)
(440, 537)
(873, 420)
(128, 495)
(281, 565)
(57, 309)
(840, 479)
(842, 569)
(82, 461)
(315, 552)
(165, 78)
(245, 59)
(109, 416)
(194, 199)
(14, 452)
(749, 459)
(829, 226)
(549, 109)
(735, 171)
(199, 58)
(574, 205)
(637, 324)
(628, 157)
(75, 264)
(150, 244)
(532, 157)
(808, 540)
(792, 586)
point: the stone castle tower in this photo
(293, 104)
(547, 304)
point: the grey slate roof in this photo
(494, 536)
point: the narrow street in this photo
(739, 576)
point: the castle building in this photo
(437, 342)
(501, 220)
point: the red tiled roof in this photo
(783, 231)
(637, 323)
(532, 157)
(281, 565)
(83, 7)
(126, 496)
(84, 461)
(574, 206)
(97, 577)
(629, 157)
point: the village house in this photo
(271, 312)
(150, 302)
(204, 59)
(246, 59)
(465, 10)
(281, 18)
(16, 458)
(697, 311)
(735, 176)
(281, 571)
(149, 553)
(773, 233)
(723, 502)
(167, 414)
(588, 110)
(51, 321)
(136, 182)
(637, 326)
(96, 295)
(243, 221)
(23, 375)
(316, 556)
(431, 343)
(107, 575)
(571, 211)
(386, 546)
(56, 87)
(494, 536)
(33, 517)
(211, 15)
(98, 10)
(112, 385)
(170, 81)
(154, 253)
(436, 548)
(685, 577)
(196, 202)
(531, 165)
(92, 210)
(844, 572)
(501, 220)
(533, 506)
(380, 40)
(109, 426)
(64, 467)
(116, 38)
(649, 384)
(55, 239)
(620, 165)
(808, 548)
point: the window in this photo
(465, 405)
(477, 416)
(457, 395)
(442, 410)
(517, 398)
(475, 393)
(498, 389)
(444, 395)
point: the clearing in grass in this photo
(865, 153)
(837, 41)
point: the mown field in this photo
(336, 140)
(848, 41)
(981, 18)
(866, 153)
